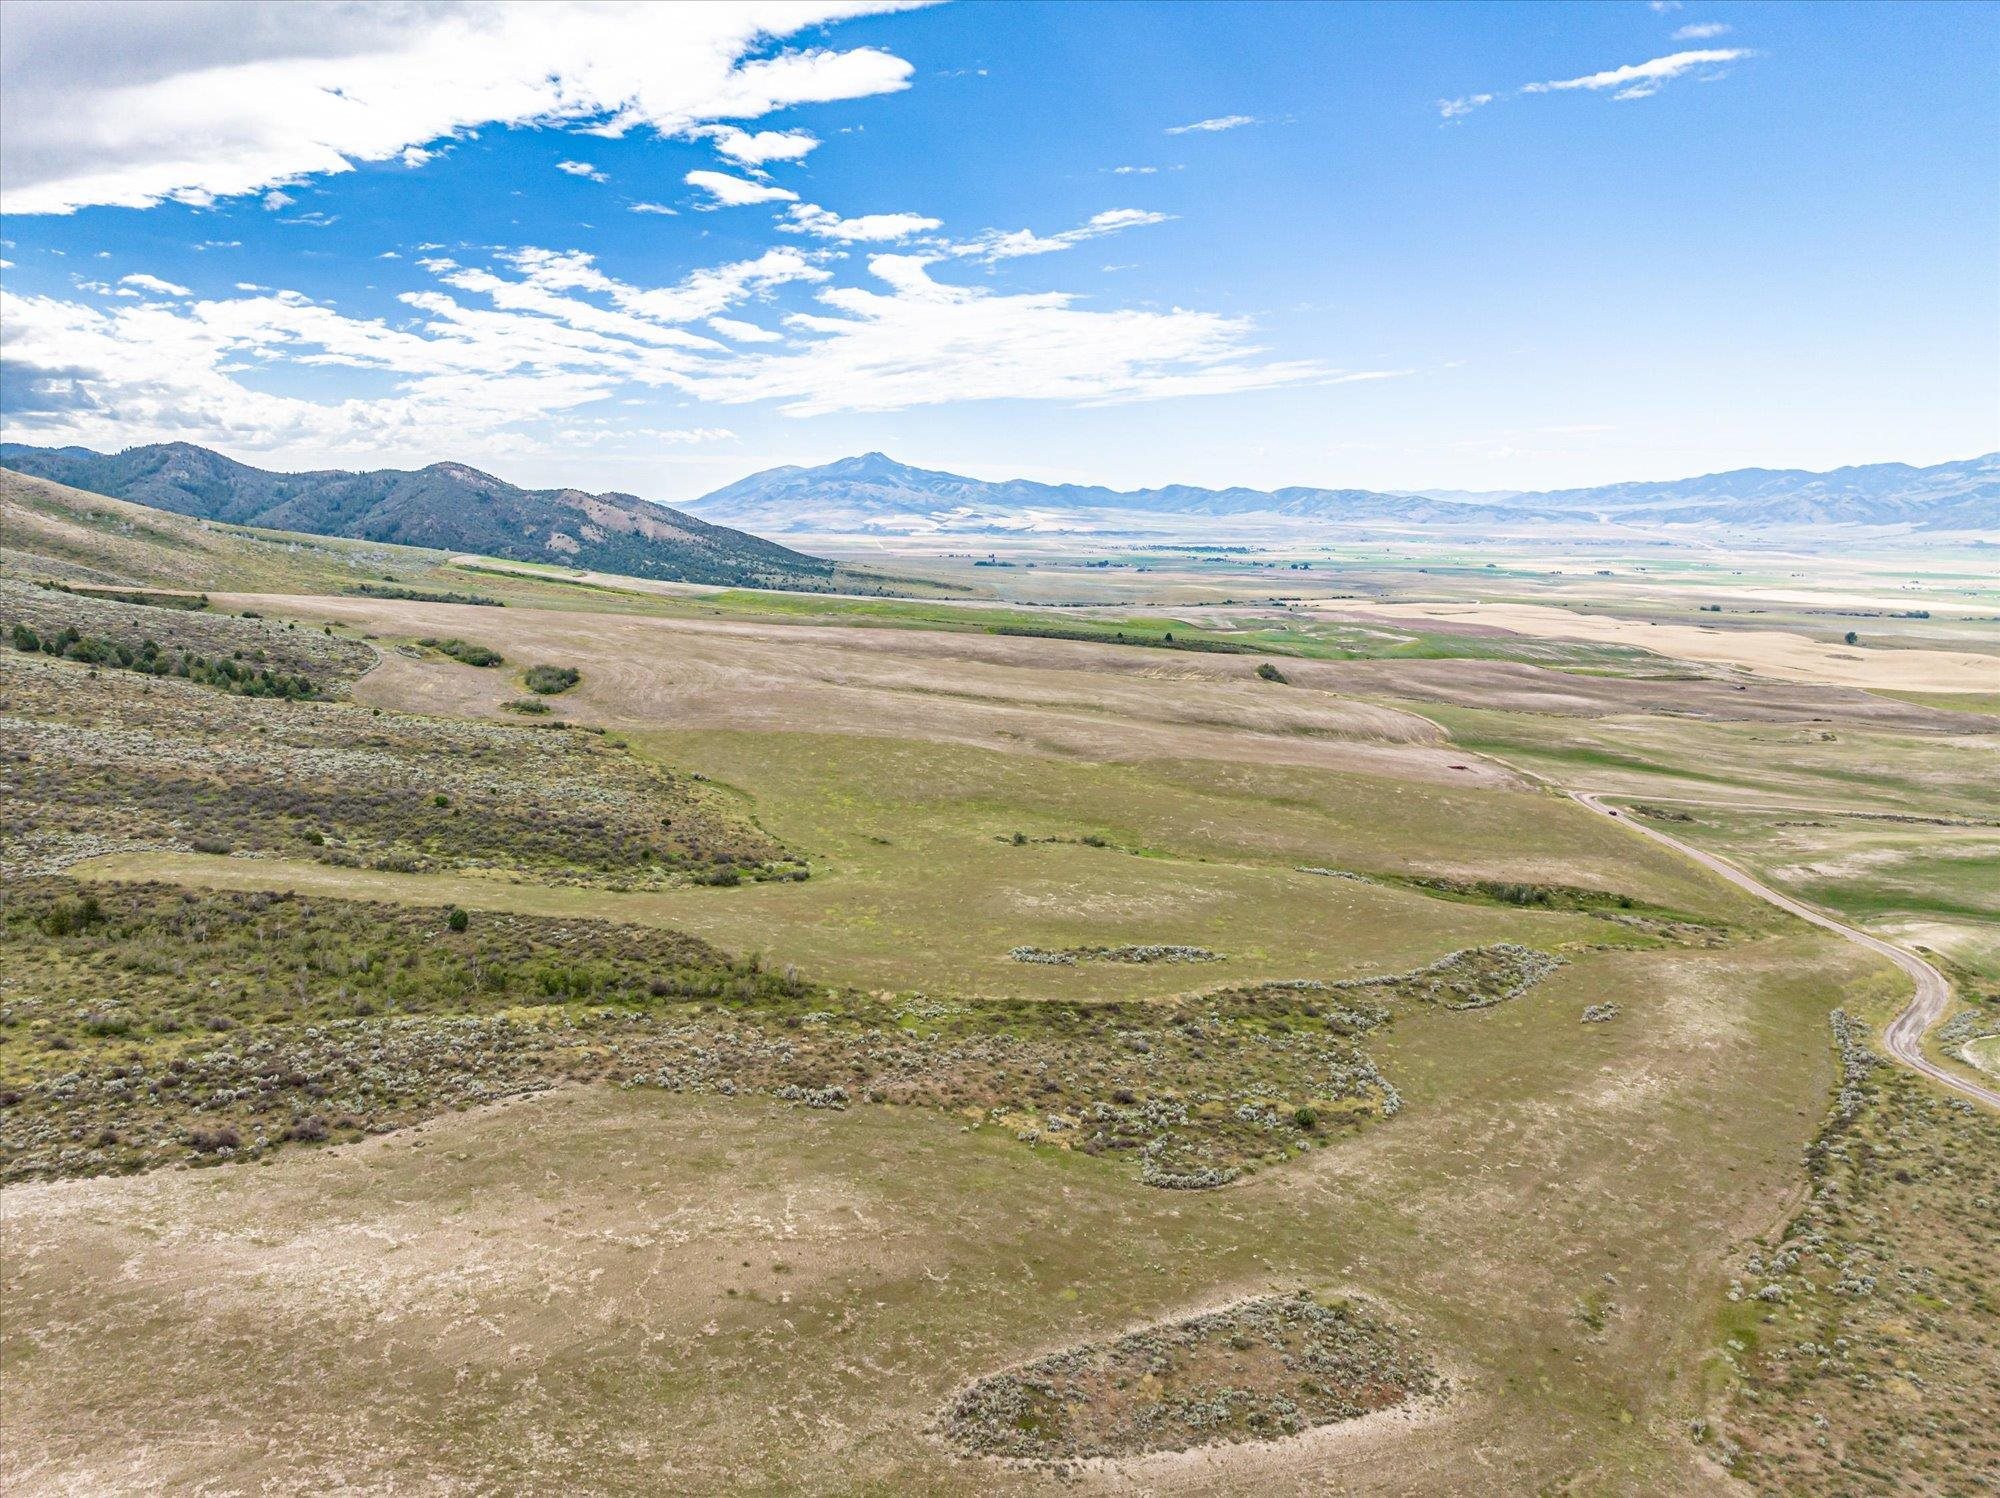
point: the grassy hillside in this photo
(447, 506)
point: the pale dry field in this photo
(625, 1291)
(617, 1290)
(1770, 653)
(1064, 697)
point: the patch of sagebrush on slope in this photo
(253, 657)
(1861, 1348)
(1259, 1370)
(120, 762)
(143, 1024)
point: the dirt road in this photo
(1905, 1035)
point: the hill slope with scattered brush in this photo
(446, 506)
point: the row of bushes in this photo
(240, 677)
(463, 651)
(144, 597)
(1165, 641)
(426, 595)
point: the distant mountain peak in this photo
(873, 492)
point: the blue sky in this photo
(655, 248)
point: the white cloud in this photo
(1662, 7)
(998, 244)
(744, 332)
(1134, 171)
(416, 156)
(502, 353)
(195, 102)
(753, 150)
(1702, 31)
(153, 283)
(1220, 122)
(735, 192)
(273, 201)
(1642, 79)
(652, 208)
(926, 343)
(582, 169)
(871, 228)
(1453, 109)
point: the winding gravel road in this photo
(1905, 1035)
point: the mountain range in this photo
(452, 507)
(875, 494)
(447, 505)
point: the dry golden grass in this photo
(1771, 653)
(1104, 703)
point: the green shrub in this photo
(464, 651)
(1270, 672)
(26, 640)
(549, 680)
(458, 920)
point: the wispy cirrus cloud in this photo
(1003, 244)
(1640, 80)
(498, 352)
(1208, 127)
(738, 192)
(154, 284)
(1453, 109)
(132, 105)
(867, 228)
(1701, 31)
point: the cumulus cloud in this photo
(131, 105)
(582, 169)
(999, 244)
(145, 282)
(749, 149)
(503, 352)
(1640, 80)
(1220, 122)
(871, 228)
(735, 192)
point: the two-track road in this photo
(1905, 1035)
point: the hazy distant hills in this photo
(446, 505)
(874, 493)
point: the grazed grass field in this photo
(613, 1287)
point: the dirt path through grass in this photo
(1905, 1035)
